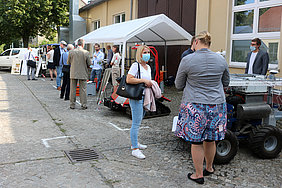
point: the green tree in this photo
(26, 18)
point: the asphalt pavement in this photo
(36, 127)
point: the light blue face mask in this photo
(146, 57)
(252, 48)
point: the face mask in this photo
(252, 48)
(146, 57)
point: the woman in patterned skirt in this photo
(202, 116)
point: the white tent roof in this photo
(153, 30)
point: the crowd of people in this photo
(202, 75)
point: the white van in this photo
(7, 57)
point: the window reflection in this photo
(270, 19)
(240, 49)
(243, 2)
(243, 22)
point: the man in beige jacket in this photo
(79, 61)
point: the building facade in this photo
(183, 12)
(234, 23)
(100, 13)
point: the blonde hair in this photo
(204, 37)
(139, 52)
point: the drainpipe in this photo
(131, 7)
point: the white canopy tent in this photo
(154, 30)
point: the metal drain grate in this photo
(80, 155)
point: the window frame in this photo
(2, 54)
(120, 14)
(94, 22)
(255, 34)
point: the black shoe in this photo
(72, 107)
(34, 79)
(198, 180)
(67, 99)
(51, 79)
(61, 97)
(84, 108)
(207, 173)
(28, 79)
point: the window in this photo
(119, 18)
(243, 22)
(96, 24)
(255, 19)
(270, 19)
(273, 52)
(15, 52)
(6, 53)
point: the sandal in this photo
(207, 173)
(198, 180)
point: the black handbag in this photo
(131, 91)
(31, 63)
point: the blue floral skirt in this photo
(199, 122)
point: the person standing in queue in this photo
(137, 110)
(79, 61)
(203, 113)
(97, 65)
(29, 56)
(65, 90)
(115, 66)
(51, 66)
(110, 56)
(57, 56)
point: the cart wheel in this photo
(265, 142)
(226, 149)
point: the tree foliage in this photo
(26, 18)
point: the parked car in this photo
(7, 57)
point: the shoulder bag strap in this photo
(139, 70)
(62, 59)
(28, 56)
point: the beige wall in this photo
(212, 16)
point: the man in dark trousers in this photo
(257, 60)
(190, 50)
(79, 61)
(57, 56)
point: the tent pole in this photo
(123, 58)
(165, 61)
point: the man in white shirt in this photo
(257, 60)
(97, 65)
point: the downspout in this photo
(131, 9)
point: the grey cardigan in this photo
(203, 75)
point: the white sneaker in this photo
(141, 146)
(137, 153)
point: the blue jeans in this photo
(97, 72)
(137, 113)
(59, 75)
